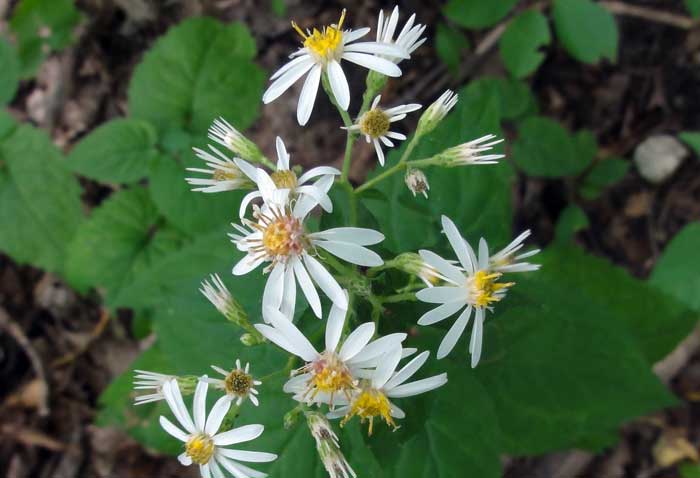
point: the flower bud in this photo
(248, 339)
(436, 112)
(187, 384)
(221, 298)
(417, 182)
(412, 263)
(226, 135)
(470, 153)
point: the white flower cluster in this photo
(355, 373)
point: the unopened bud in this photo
(470, 153)
(436, 112)
(221, 298)
(417, 182)
(226, 135)
(187, 384)
(412, 263)
(249, 339)
(291, 418)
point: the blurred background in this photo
(631, 80)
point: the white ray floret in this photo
(223, 174)
(321, 54)
(471, 152)
(409, 38)
(372, 399)
(238, 383)
(506, 259)
(474, 287)
(204, 445)
(336, 370)
(153, 381)
(283, 184)
(280, 239)
(375, 125)
(436, 112)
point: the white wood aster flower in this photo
(204, 445)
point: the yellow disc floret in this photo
(375, 123)
(323, 44)
(330, 375)
(284, 179)
(282, 236)
(238, 383)
(229, 173)
(200, 448)
(486, 290)
(368, 404)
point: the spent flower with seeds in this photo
(223, 174)
(328, 446)
(204, 445)
(436, 112)
(336, 370)
(417, 182)
(321, 54)
(375, 125)
(372, 399)
(238, 384)
(283, 185)
(474, 287)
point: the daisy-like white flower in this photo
(222, 174)
(376, 122)
(238, 383)
(229, 137)
(204, 446)
(279, 237)
(506, 260)
(474, 287)
(471, 152)
(409, 38)
(436, 112)
(322, 52)
(372, 399)
(283, 184)
(145, 380)
(334, 371)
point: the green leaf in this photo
(477, 13)
(514, 97)
(200, 69)
(676, 271)
(522, 42)
(545, 148)
(185, 208)
(692, 139)
(587, 30)
(449, 45)
(119, 151)
(122, 238)
(42, 26)
(7, 125)
(571, 220)
(39, 200)
(693, 7)
(690, 470)
(10, 75)
(279, 7)
(603, 174)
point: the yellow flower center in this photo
(200, 448)
(284, 179)
(324, 43)
(282, 236)
(329, 374)
(369, 404)
(238, 383)
(228, 174)
(485, 288)
(375, 123)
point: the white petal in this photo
(184, 459)
(375, 48)
(173, 430)
(326, 281)
(317, 195)
(276, 337)
(356, 341)
(339, 84)
(301, 344)
(407, 371)
(282, 155)
(289, 297)
(441, 294)
(318, 171)
(291, 64)
(232, 467)
(205, 471)
(274, 288)
(353, 35)
(249, 456)
(247, 169)
(217, 415)
(352, 253)
(199, 404)
(246, 200)
(334, 327)
(238, 435)
(483, 254)
(455, 332)
(215, 468)
(308, 95)
(171, 392)
(396, 412)
(357, 235)
(442, 266)
(419, 386)
(458, 243)
(375, 349)
(386, 367)
(477, 337)
(287, 79)
(378, 149)
(375, 63)
(441, 312)
(307, 286)
(247, 264)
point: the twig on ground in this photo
(94, 335)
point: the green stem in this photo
(398, 298)
(402, 164)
